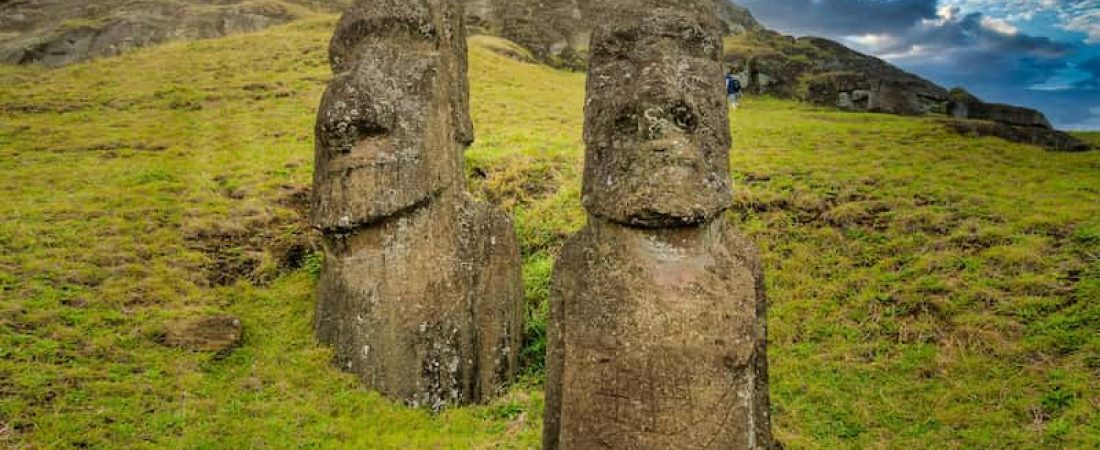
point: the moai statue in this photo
(420, 294)
(657, 334)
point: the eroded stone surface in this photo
(426, 307)
(656, 126)
(657, 341)
(964, 105)
(420, 293)
(657, 333)
(394, 121)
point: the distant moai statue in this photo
(657, 333)
(420, 294)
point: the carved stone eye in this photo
(626, 124)
(684, 117)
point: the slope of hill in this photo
(927, 290)
(820, 71)
(60, 32)
(557, 31)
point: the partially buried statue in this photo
(420, 294)
(657, 334)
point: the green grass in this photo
(1090, 137)
(927, 290)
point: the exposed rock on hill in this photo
(60, 32)
(1043, 137)
(827, 73)
(964, 105)
(1013, 123)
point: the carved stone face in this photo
(656, 123)
(395, 119)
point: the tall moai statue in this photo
(657, 332)
(420, 294)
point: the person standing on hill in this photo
(733, 88)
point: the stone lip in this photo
(656, 127)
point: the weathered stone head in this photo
(395, 119)
(656, 124)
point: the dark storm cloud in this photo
(968, 33)
(840, 17)
(1091, 66)
(969, 49)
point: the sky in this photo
(1043, 54)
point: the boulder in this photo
(207, 334)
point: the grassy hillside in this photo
(928, 290)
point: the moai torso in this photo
(420, 293)
(657, 335)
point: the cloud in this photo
(963, 49)
(840, 17)
(1028, 52)
(1083, 17)
(953, 32)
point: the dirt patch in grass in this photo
(255, 243)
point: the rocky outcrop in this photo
(420, 293)
(1012, 123)
(657, 331)
(964, 105)
(60, 32)
(827, 73)
(1047, 138)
